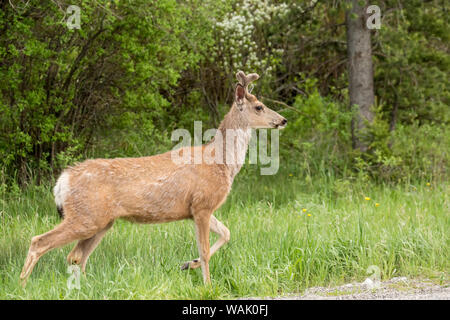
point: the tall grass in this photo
(275, 246)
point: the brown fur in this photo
(153, 190)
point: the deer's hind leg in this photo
(83, 249)
(67, 231)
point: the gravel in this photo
(399, 288)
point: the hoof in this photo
(73, 261)
(185, 266)
(191, 264)
(23, 282)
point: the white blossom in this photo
(237, 30)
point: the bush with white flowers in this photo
(241, 43)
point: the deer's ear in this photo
(239, 95)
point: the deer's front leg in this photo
(202, 221)
(224, 236)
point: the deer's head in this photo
(257, 114)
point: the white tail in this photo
(155, 189)
(61, 190)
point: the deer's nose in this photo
(283, 122)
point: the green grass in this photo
(275, 247)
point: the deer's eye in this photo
(258, 108)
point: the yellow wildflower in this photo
(309, 215)
(367, 198)
(428, 184)
(304, 210)
(377, 204)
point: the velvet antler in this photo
(245, 80)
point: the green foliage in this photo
(408, 138)
(135, 71)
(65, 87)
(412, 65)
(318, 135)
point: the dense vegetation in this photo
(137, 70)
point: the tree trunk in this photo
(360, 71)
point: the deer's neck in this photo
(235, 134)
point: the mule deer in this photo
(155, 189)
